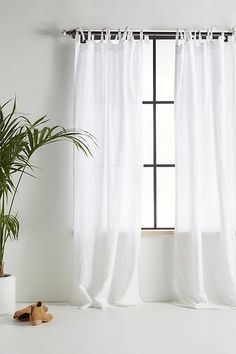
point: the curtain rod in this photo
(160, 34)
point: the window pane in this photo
(165, 68)
(147, 203)
(148, 72)
(165, 197)
(165, 134)
(147, 133)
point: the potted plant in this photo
(19, 140)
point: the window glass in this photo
(165, 197)
(165, 69)
(147, 133)
(165, 134)
(147, 202)
(148, 72)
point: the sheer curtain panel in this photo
(205, 113)
(108, 186)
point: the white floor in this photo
(153, 328)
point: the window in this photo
(158, 135)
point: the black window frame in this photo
(154, 102)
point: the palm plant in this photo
(19, 139)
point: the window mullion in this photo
(154, 136)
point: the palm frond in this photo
(9, 226)
(19, 140)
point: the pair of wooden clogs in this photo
(36, 314)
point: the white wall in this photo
(36, 65)
(155, 267)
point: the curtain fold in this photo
(108, 187)
(204, 246)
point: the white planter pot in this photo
(7, 294)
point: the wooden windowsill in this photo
(157, 233)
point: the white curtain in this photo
(108, 187)
(205, 113)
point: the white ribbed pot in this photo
(7, 294)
